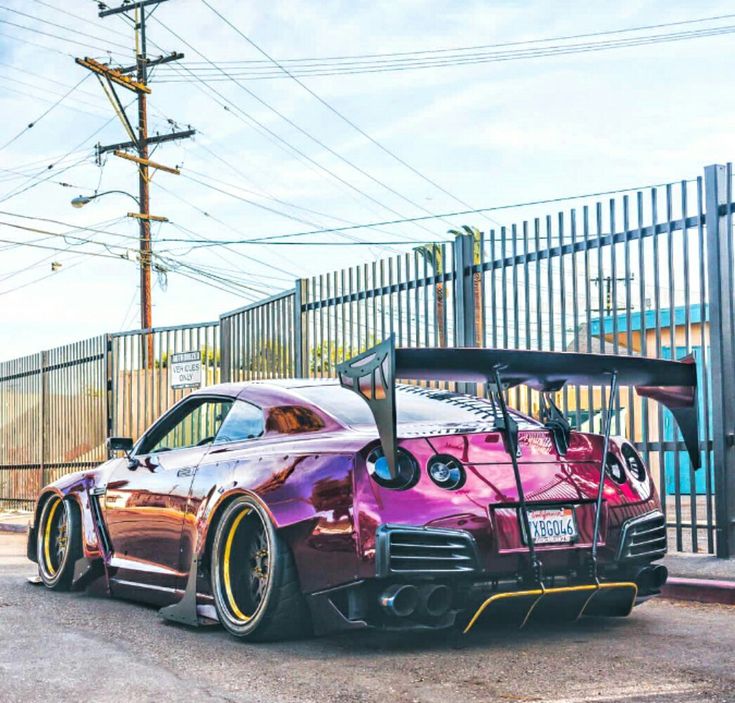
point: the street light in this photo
(82, 200)
(145, 262)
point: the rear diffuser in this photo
(615, 598)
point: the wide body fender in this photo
(309, 497)
(81, 487)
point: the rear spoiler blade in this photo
(373, 373)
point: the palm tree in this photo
(476, 276)
(432, 253)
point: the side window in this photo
(244, 421)
(196, 424)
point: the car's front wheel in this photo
(254, 580)
(58, 542)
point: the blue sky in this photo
(491, 134)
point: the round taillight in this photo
(635, 464)
(614, 468)
(407, 469)
(446, 472)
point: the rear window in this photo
(414, 405)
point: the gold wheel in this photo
(58, 542)
(245, 565)
(54, 537)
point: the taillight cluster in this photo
(633, 463)
(444, 470)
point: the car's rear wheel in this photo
(58, 542)
(254, 580)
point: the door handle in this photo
(185, 472)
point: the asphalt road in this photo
(73, 647)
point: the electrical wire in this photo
(74, 30)
(30, 184)
(341, 115)
(33, 123)
(423, 217)
(310, 136)
(331, 68)
(79, 18)
(586, 35)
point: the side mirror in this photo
(120, 444)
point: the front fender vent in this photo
(424, 550)
(644, 537)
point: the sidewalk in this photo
(700, 577)
(15, 521)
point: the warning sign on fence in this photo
(186, 370)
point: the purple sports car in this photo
(282, 507)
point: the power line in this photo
(339, 114)
(331, 68)
(79, 18)
(33, 123)
(58, 36)
(637, 28)
(30, 184)
(309, 136)
(262, 192)
(424, 217)
(44, 96)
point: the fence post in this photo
(109, 389)
(722, 348)
(44, 416)
(225, 350)
(298, 338)
(464, 292)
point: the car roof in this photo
(281, 387)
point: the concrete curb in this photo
(700, 590)
(13, 527)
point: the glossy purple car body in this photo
(434, 552)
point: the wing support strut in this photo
(603, 469)
(509, 426)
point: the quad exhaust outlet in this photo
(401, 600)
(651, 578)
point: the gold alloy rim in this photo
(60, 538)
(258, 567)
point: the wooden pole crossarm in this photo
(144, 216)
(146, 162)
(114, 75)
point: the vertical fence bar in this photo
(719, 275)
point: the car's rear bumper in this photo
(447, 565)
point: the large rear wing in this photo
(373, 373)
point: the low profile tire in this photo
(254, 580)
(58, 543)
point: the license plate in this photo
(552, 525)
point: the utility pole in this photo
(610, 304)
(109, 79)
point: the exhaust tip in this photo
(644, 580)
(435, 600)
(399, 600)
(659, 576)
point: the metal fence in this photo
(646, 272)
(260, 340)
(139, 367)
(52, 417)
